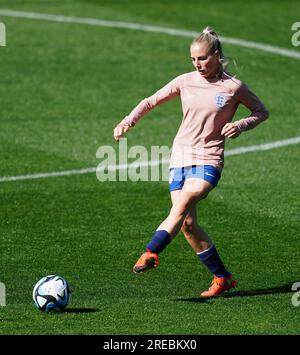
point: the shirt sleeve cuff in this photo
(127, 121)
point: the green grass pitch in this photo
(63, 88)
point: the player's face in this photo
(206, 63)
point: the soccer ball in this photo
(51, 293)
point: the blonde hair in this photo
(210, 36)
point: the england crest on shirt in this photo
(220, 100)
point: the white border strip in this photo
(147, 28)
(230, 152)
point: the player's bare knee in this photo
(188, 226)
(180, 208)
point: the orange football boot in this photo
(219, 285)
(148, 260)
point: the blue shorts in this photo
(206, 172)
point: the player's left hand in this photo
(230, 130)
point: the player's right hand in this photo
(120, 130)
(230, 130)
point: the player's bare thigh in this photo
(193, 191)
(192, 214)
(196, 188)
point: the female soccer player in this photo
(210, 97)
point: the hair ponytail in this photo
(210, 31)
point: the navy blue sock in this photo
(159, 241)
(213, 262)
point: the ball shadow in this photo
(81, 310)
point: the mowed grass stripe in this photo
(230, 152)
(147, 28)
(100, 275)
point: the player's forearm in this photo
(253, 120)
(138, 112)
(168, 92)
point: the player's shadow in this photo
(285, 288)
(81, 310)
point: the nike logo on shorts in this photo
(206, 173)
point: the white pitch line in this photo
(147, 28)
(230, 152)
(264, 146)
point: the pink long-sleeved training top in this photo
(207, 105)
